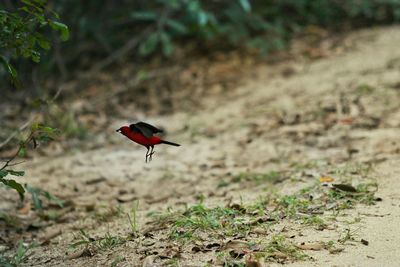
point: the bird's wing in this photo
(145, 128)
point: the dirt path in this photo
(278, 132)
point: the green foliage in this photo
(105, 242)
(21, 33)
(38, 134)
(37, 193)
(103, 27)
(20, 256)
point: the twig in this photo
(23, 126)
(136, 81)
(119, 53)
(26, 124)
(7, 163)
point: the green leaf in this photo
(22, 151)
(3, 173)
(14, 185)
(42, 41)
(166, 43)
(61, 27)
(16, 173)
(35, 192)
(202, 18)
(11, 71)
(176, 26)
(245, 5)
(144, 15)
(53, 199)
(149, 45)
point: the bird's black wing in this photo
(145, 128)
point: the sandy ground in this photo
(340, 111)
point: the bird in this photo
(143, 134)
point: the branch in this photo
(119, 53)
(26, 124)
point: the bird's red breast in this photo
(140, 138)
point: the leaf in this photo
(345, 187)
(149, 45)
(144, 15)
(166, 43)
(53, 199)
(61, 27)
(326, 179)
(9, 68)
(3, 173)
(16, 173)
(176, 26)
(22, 151)
(311, 246)
(245, 5)
(14, 185)
(35, 192)
(202, 18)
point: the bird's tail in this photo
(169, 143)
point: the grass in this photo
(105, 242)
(258, 178)
(117, 260)
(20, 256)
(133, 218)
(279, 248)
(200, 218)
(316, 205)
(200, 221)
(105, 214)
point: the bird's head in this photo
(123, 130)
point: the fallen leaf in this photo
(236, 244)
(250, 262)
(126, 198)
(25, 209)
(149, 261)
(346, 121)
(80, 253)
(50, 235)
(336, 250)
(364, 242)
(326, 179)
(95, 180)
(279, 255)
(345, 187)
(311, 246)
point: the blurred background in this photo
(157, 57)
(273, 101)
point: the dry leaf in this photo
(326, 179)
(80, 253)
(126, 198)
(345, 187)
(250, 262)
(279, 255)
(364, 242)
(149, 261)
(50, 235)
(25, 209)
(311, 246)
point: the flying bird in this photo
(143, 134)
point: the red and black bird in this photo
(143, 134)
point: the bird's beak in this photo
(118, 131)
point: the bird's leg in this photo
(151, 153)
(147, 154)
